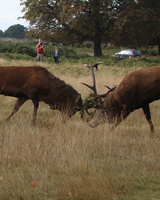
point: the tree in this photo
(138, 25)
(1, 33)
(71, 21)
(154, 6)
(15, 31)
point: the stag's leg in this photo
(17, 106)
(34, 99)
(147, 113)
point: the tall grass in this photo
(61, 161)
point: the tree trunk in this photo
(97, 48)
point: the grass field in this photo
(71, 161)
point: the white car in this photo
(128, 53)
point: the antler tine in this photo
(110, 90)
(86, 85)
(96, 65)
(107, 87)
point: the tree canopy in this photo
(1, 33)
(121, 22)
(138, 25)
(15, 31)
(71, 21)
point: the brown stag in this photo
(136, 90)
(38, 84)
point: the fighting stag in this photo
(38, 84)
(137, 90)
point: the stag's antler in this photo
(92, 102)
(90, 69)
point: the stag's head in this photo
(100, 113)
(76, 106)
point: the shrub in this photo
(15, 56)
(17, 47)
(77, 45)
(151, 51)
(88, 44)
(68, 52)
(21, 49)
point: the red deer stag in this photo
(136, 90)
(38, 84)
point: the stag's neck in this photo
(61, 95)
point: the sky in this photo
(10, 10)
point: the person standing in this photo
(40, 51)
(56, 55)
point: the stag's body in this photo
(38, 84)
(136, 90)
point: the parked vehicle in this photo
(128, 53)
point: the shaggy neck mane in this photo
(61, 94)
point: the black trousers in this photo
(56, 59)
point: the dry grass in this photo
(72, 161)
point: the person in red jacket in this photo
(40, 51)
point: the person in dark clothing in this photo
(56, 55)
